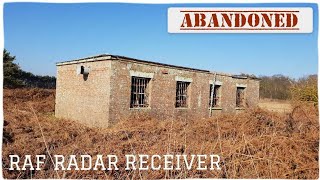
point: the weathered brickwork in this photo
(104, 97)
(83, 100)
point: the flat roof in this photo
(103, 57)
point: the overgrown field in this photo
(281, 106)
(254, 144)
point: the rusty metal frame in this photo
(182, 94)
(216, 96)
(139, 92)
(240, 97)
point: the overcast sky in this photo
(41, 34)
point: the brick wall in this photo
(163, 92)
(83, 100)
(104, 97)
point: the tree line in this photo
(273, 87)
(283, 87)
(15, 77)
(276, 86)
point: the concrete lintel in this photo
(141, 74)
(219, 83)
(241, 85)
(184, 79)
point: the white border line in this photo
(133, 1)
(169, 1)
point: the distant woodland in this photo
(15, 77)
(272, 87)
(285, 88)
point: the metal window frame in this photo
(139, 97)
(240, 97)
(182, 94)
(216, 101)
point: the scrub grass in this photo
(254, 144)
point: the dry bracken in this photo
(254, 144)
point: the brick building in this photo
(101, 90)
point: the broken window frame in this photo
(216, 101)
(240, 97)
(139, 96)
(182, 92)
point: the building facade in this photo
(102, 90)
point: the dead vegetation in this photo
(255, 144)
(281, 106)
